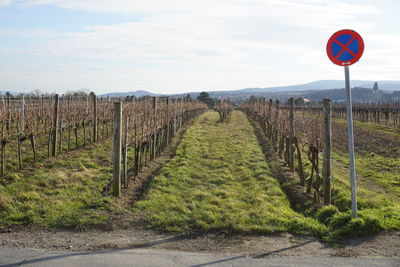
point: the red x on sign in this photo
(345, 47)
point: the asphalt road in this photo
(150, 257)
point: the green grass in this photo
(378, 203)
(219, 181)
(64, 192)
(378, 181)
(383, 171)
(379, 128)
(41, 140)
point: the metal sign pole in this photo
(351, 143)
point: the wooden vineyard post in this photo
(42, 106)
(60, 133)
(291, 134)
(168, 122)
(182, 117)
(22, 110)
(94, 117)
(117, 149)
(180, 112)
(326, 168)
(174, 118)
(84, 120)
(276, 130)
(137, 160)
(125, 154)
(55, 123)
(33, 144)
(269, 120)
(19, 151)
(21, 131)
(3, 156)
(8, 112)
(69, 123)
(154, 146)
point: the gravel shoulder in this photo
(382, 245)
(156, 257)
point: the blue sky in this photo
(178, 46)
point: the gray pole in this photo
(351, 143)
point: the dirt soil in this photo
(127, 231)
(366, 140)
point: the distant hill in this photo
(137, 93)
(247, 92)
(316, 85)
(277, 91)
(359, 94)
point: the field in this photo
(63, 177)
(225, 178)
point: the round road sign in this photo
(345, 47)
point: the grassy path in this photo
(219, 181)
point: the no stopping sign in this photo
(345, 47)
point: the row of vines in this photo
(299, 136)
(143, 130)
(224, 107)
(387, 114)
(34, 128)
(37, 127)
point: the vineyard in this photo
(147, 127)
(386, 114)
(312, 142)
(292, 136)
(64, 159)
(36, 128)
(295, 131)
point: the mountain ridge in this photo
(311, 86)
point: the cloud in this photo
(32, 33)
(5, 2)
(204, 44)
(221, 7)
(188, 30)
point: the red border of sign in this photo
(355, 58)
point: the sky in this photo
(176, 46)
